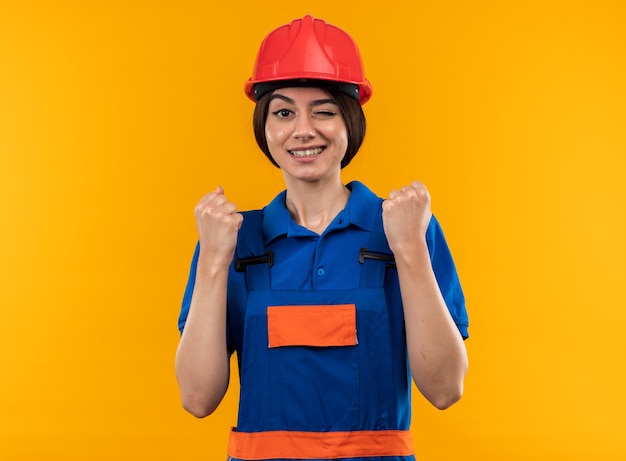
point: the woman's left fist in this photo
(406, 215)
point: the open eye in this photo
(282, 113)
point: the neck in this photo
(314, 205)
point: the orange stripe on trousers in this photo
(311, 445)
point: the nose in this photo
(304, 127)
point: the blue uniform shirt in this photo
(290, 388)
(304, 260)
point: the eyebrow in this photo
(316, 102)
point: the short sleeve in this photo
(191, 283)
(447, 276)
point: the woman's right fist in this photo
(218, 224)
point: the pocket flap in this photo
(317, 325)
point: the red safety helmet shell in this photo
(309, 49)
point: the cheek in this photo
(274, 135)
(341, 135)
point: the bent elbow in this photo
(199, 408)
(445, 398)
(445, 401)
(199, 411)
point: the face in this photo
(306, 134)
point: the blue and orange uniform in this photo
(318, 327)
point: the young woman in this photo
(332, 298)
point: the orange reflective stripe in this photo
(311, 445)
(319, 325)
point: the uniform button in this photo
(321, 272)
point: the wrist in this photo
(412, 251)
(212, 265)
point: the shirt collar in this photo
(360, 211)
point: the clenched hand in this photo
(406, 214)
(218, 224)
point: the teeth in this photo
(306, 153)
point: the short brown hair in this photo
(351, 111)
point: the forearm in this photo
(437, 355)
(202, 361)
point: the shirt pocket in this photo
(313, 367)
(312, 325)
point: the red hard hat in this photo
(308, 49)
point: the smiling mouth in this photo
(306, 152)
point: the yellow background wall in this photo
(117, 116)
